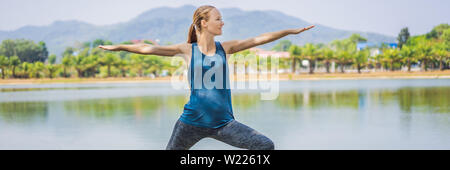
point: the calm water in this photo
(325, 114)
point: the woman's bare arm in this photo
(234, 46)
(169, 50)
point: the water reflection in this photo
(426, 100)
(318, 99)
(23, 112)
(420, 99)
(47, 89)
(304, 118)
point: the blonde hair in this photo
(201, 13)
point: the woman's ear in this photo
(203, 23)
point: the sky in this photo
(379, 16)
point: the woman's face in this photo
(214, 24)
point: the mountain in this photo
(171, 25)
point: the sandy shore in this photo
(282, 77)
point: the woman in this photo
(209, 112)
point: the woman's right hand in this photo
(109, 47)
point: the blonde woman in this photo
(209, 111)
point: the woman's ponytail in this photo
(192, 36)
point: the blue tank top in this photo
(210, 100)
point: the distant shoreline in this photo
(282, 77)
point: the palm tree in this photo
(328, 56)
(441, 53)
(424, 53)
(14, 61)
(78, 63)
(407, 54)
(246, 56)
(26, 68)
(109, 60)
(155, 64)
(51, 69)
(392, 56)
(361, 58)
(295, 52)
(66, 63)
(380, 62)
(345, 49)
(123, 66)
(91, 64)
(37, 68)
(284, 63)
(138, 62)
(310, 52)
(4, 63)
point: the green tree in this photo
(26, 69)
(295, 52)
(26, 50)
(310, 52)
(51, 70)
(148, 42)
(345, 49)
(408, 56)
(14, 61)
(84, 52)
(8, 48)
(79, 63)
(37, 69)
(403, 37)
(155, 64)
(68, 51)
(109, 60)
(43, 52)
(4, 63)
(391, 56)
(283, 45)
(98, 42)
(361, 59)
(86, 45)
(424, 49)
(51, 59)
(440, 53)
(66, 64)
(356, 38)
(127, 42)
(123, 65)
(381, 61)
(138, 63)
(437, 31)
(446, 38)
(328, 56)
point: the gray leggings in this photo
(184, 136)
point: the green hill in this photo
(172, 24)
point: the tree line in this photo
(83, 61)
(22, 58)
(429, 51)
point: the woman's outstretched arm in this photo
(169, 50)
(234, 46)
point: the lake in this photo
(312, 114)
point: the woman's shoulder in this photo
(185, 47)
